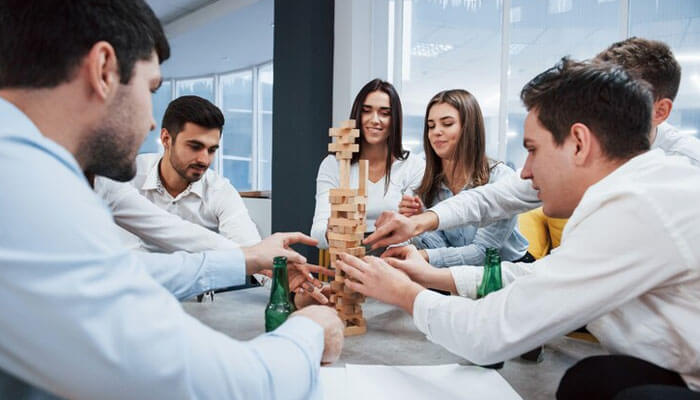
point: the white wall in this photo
(260, 213)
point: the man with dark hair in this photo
(82, 316)
(181, 183)
(638, 299)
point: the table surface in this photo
(393, 339)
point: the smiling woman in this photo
(392, 170)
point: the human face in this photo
(444, 129)
(193, 150)
(376, 117)
(551, 168)
(112, 147)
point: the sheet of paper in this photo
(333, 383)
(445, 382)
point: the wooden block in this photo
(337, 286)
(344, 173)
(363, 177)
(342, 315)
(342, 245)
(337, 199)
(348, 138)
(355, 330)
(345, 236)
(343, 222)
(358, 251)
(335, 214)
(348, 124)
(343, 155)
(333, 147)
(342, 192)
(360, 229)
(344, 132)
(345, 207)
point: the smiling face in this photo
(191, 152)
(551, 168)
(444, 129)
(376, 118)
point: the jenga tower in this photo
(346, 226)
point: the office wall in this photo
(303, 89)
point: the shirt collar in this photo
(153, 182)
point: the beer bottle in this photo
(279, 307)
(491, 282)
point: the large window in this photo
(492, 48)
(245, 98)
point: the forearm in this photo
(424, 222)
(439, 278)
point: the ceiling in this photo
(170, 10)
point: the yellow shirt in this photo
(543, 232)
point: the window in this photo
(678, 25)
(492, 48)
(245, 98)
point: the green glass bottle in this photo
(491, 282)
(279, 307)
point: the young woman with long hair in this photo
(454, 142)
(392, 170)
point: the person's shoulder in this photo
(213, 181)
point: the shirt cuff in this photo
(435, 257)
(423, 305)
(443, 213)
(224, 268)
(467, 279)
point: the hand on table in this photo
(332, 330)
(373, 277)
(410, 205)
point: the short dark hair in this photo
(192, 109)
(616, 107)
(650, 60)
(42, 42)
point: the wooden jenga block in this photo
(342, 245)
(358, 251)
(348, 138)
(345, 236)
(343, 222)
(337, 199)
(333, 147)
(343, 155)
(344, 172)
(349, 316)
(355, 330)
(360, 229)
(363, 177)
(337, 286)
(344, 132)
(342, 192)
(348, 124)
(345, 207)
(335, 214)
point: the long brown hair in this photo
(394, 147)
(470, 152)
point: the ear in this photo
(102, 70)
(583, 141)
(165, 139)
(662, 109)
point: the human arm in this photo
(234, 221)
(326, 179)
(153, 225)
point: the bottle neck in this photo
(280, 284)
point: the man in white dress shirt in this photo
(628, 266)
(180, 180)
(83, 317)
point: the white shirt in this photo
(211, 202)
(507, 197)
(84, 318)
(628, 266)
(406, 176)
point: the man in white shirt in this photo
(82, 316)
(628, 265)
(650, 60)
(180, 181)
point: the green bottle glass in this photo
(279, 307)
(491, 282)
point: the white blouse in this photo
(406, 176)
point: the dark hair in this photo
(650, 60)
(470, 153)
(604, 97)
(192, 109)
(394, 146)
(42, 42)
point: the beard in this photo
(110, 150)
(182, 168)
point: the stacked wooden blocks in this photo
(346, 227)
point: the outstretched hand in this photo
(260, 255)
(391, 228)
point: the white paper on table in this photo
(333, 383)
(445, 382)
